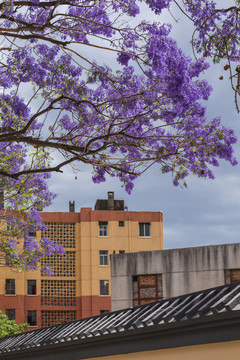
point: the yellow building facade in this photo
(81, 284)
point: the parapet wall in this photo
(183, 270)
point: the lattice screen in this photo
(62, 265)
(232, 275)
(147, 288)
(58, 292)
(49, 318)
(62, 233)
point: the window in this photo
(32, 233)
(31, 287)
(104, 312)
(104, 287)
(103, 257)
(8, 260)
(10, 287)
(32, 318)
(144, 229)
(121, 223)
(103, 228)
(10, 314)
(121, 251)
(232, 275)
(147, 288)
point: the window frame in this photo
(9, 315)
(8, 260)
(29, 286)
(103, 228)
(141, 284)
(121, 223)
(10, 288)
(33, 314)
(103, 258)
(104, 287)
(144, 229)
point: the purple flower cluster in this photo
(20, 245)
(217, 28)
(158, 5)
(57, 100)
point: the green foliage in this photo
(9, 327)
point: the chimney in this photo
(71, 206)
(110, 200)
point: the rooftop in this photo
(220, 305)
(109, 203)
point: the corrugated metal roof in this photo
(207, 305)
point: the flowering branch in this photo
(60, 106)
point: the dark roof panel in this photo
(206, 305)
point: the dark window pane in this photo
(121, 223)
(147, 229)
(10, 287)
(104, 287)
(31, 287)
(144, 229)
(32, 317)
(8, 260)
(10, 314)
(103, 228)
(103, 257)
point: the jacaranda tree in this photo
(86, 82)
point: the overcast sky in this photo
(208, 212)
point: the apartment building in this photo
(81, 285)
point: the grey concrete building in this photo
(143, 277)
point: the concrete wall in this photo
(183, 270)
